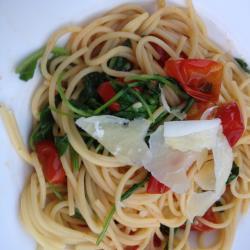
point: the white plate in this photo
(24, 26)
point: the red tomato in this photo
(162, 53)
(156, 241)
(232, 121)
(51, 164)
(131, 248)
(138, 88)
(198, 109)
(106, 92)
(199, 78)
(155, 187)
(198, 226)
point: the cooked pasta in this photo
(96, 201)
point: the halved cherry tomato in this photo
(51, 164)
(197, 109)
(232, 121)
(200, 78)
(106, 92)
(155, 187)
(198, 226)
(162, 53)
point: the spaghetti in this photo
(96, 202)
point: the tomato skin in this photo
(200, 78)
(131, 248)
(51, 164)
(156, 241)
(138, 88)
(199, 227)
(106, 92)
(162, 53)
(232, 121)
(197, 109)
(155, 187)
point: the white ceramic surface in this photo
(24, 26)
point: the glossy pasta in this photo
(102, 179)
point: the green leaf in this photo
(242, 64)
(158, 121)
(89, 95)
(119, 63)
(189, 103)
(144, 103)
(234, 173)
(60, 51)
(124, 196)
(78, 215)
(61, 143)
(54, 189)
(134, 188)
(74, 109)
(75, 159)
(131, 115)
(106, 223)
(161, 80)
(44, 128)
(27, 66)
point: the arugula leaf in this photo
(144, 103)
(124, 196)
(61, 143)
(158, 121)
(89, 95)
(44, 129)
(170, 82)
(99, 148)
(75, 159)
(78, 215)
(119, 63)
(60, 51)
(27, 66)
(69, 104)
(234, 173)
(242, 64)
(54, 189)
(131, 115)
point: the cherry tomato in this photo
(198, 226)
(131, 248)
(198, 109)
(155, 187)
(232, 121)
(138, 88)
(51, 164)
(162, 53)
(200, 78)
(106, 92)
(156, 241)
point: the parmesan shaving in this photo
(121, 137)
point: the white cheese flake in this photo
(121, 137)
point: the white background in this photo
(25, 26)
